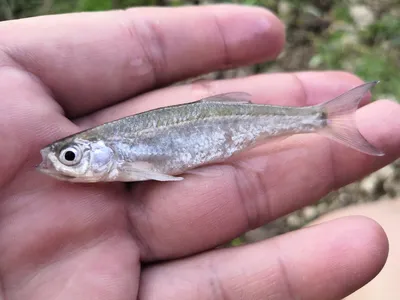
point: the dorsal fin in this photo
(232, 97)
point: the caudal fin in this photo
(341, 125)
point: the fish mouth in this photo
(44, 168)
(46, 165)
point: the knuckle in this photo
(284, 286)
(226, 59)
(147, 53)
(253, 195)
(203, 88)
(303, 100)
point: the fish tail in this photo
(341, 123)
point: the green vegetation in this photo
(358, 36)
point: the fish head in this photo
(77, 160)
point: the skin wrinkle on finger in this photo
(258, 202)
(226, 59)
(151, 41)
(255, 271)
(284, 274)
(246, 182)
(135, 233)
(106, 63)
(302, 99)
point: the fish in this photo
(163, 144)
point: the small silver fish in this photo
(162, 143)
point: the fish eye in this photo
(70, 156)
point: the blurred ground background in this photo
(362, 37)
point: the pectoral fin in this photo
(140, 171)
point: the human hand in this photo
(155, 240)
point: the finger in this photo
(386, 213)
(24, 105)
(261, 186)
(92, 60)
(308, 264)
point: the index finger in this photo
(92, 60)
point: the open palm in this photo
(61, 74)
